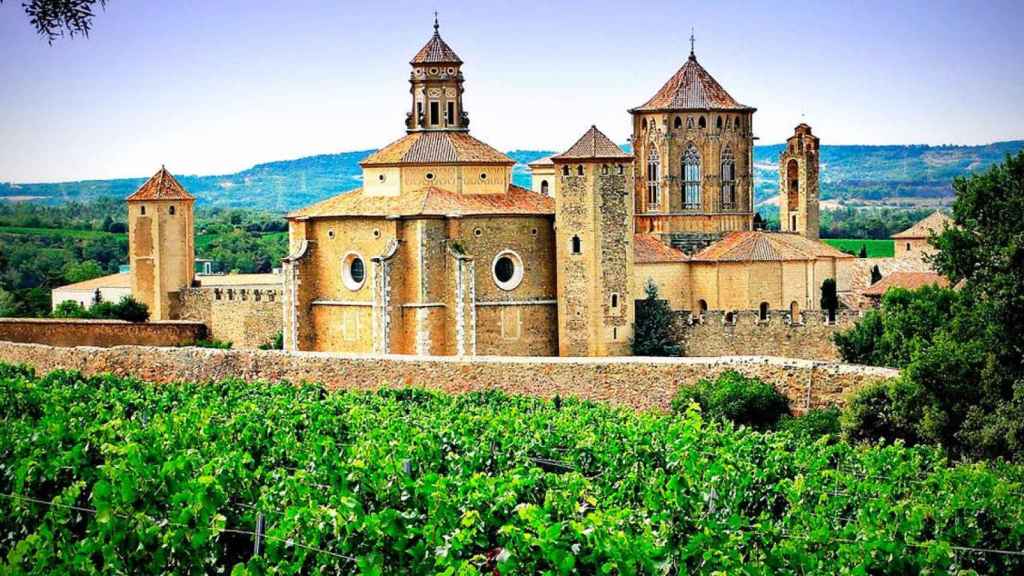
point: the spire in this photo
(692, 42)
(436, 25)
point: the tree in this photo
(82, 271)
(8, 306)
(55, 18)
(829, 299)
(655, 326)
(863, 251)
(876, 274)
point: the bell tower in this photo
(798, 184)
(161, 243)
(436, 88)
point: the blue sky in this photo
(215, 86)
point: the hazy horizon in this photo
(216, 88)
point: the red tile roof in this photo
(648, 249)
(431, 201)
(440, 147)
(758, 246)
(161, 186)
(436, 51)
(936, 221)
(691, 88)
(593, 145)
(908, 280)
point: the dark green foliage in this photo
(414, 482)
(962, 352)
(887, 410)
(276, 344)
(829, 298)
(876, 274)
(863, 251)
(128, 309)
(814, 424)
(212, 343)
(55, 18)
(655, 333)
(736, 398)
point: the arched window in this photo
(794, 312)
(739, 123)
(691, 178)
(544, 187)
(579, 170)
(653, 174)
(762, 311)
(577, 245)
(689, 122)
(702, 305)
(678, 122)
(728, 122)
(170, 210)
(643, 123)
(702, 123)
(728, 179)
(718, 123)
(622, 169)
(604, 168)
(565, 170)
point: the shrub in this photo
(131, 310)
(212, 343)
(277, 343)
(70, 309)
(814, 424)
(655, 326)
(884, 410)
(128, 309)
(734, 397)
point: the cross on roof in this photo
(692, 40)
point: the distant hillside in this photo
(889, 174)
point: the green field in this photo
(110, 475)
(876, 248)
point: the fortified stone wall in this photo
(247, 317)
(102, 333)
(642, 384)
(746, 334)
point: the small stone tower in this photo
(436, 88)
(594, 250)
(161, 243)
(798, 184)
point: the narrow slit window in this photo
(434, 112)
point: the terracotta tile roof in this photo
(859, 276)
(648, 249)
(436, 51)
(936, 221)
(593, 145)
(440, 147)
(214, 281)
(430, 201)
(161, 186)
(545, 161)
(121, 280)
(691, 88)
(758, 246)
(908, 280)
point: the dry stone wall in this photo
(639, 383)
(61, 332)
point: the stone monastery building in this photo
(440, 253)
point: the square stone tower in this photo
(161, 243)
(798, 184)
(594, 247)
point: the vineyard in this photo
(101, 474)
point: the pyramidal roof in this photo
(593, 145)
(161, 186)
(436, 51)
(436, 147)
(935, 222)
(691, 88)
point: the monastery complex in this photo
(439, 253)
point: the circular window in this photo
(376, 232)
(353, 271)
(533, 232)
(380, 177)
(451, 70)
(483, 175)
(507, 270)
(433, 70)
(477, 232)
(330, 233)
(429, 176)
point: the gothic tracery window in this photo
(653, 195)
(691, 178)
(728, 179)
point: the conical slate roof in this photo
(161, 186)
(593, 145)
(436, 51)
(691, 88)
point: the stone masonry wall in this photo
(809, 338)
(102, 333)
(642, 384)
(245, 316)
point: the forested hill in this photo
(891, 174)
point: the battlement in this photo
(247, 316)
(743, 332)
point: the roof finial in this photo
(692, 41)
(436, 25)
